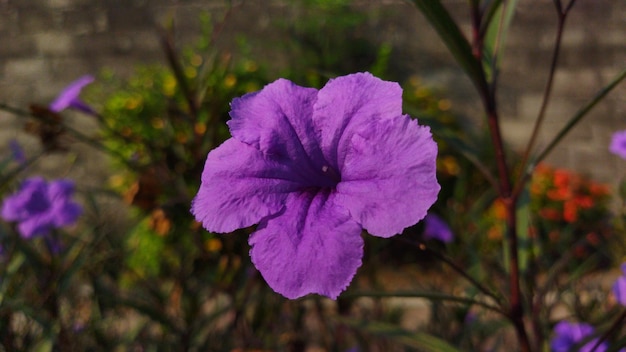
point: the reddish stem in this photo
(488, 97)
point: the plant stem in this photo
(617, 324)
(525, 170)
(458, 269)
(167, 43)
(488, 97)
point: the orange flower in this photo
(599, 190)
(550, 214)
(570, 211)
(498, 209)
(584, 202)
(494, 233)
(559, 194)
(562, 178)
(593, 238)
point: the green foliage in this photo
(324, 41)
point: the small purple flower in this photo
(619, 287)
(39, 206)
(17, 151)
(69, 97)
(618, 144)
(569, 335)
(435, 228)
(313, 169)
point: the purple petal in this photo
(39, 206)
(69, 95)
(619, 290)
(61, 189)
(618, 144)
(568, 335)
(66, 213)
(80, 105)
(345, 104)
(17, 151)
(240, 186)
(24, 202)
(388, 177)
(435, 228)
(310, 247)
(277, 121)
(35, 226)
(10, 208)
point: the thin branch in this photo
(447, 260)
(425, 294)
(167, 43)
(579, 115)
(616, 326)
(562, 16)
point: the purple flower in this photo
(40, 206)
(435, 228)
(619, 287)
(314, 168)
(69, 97)
(569, 335)
(17, 151)
(618, 144)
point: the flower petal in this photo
(347, 102)
(17, 152)
(66, 213)
(437, 229)
(19, 206)
(277, 121)
(310, 247)
(70, 93)
(61, 189)
(12, 208)
(388, 178)
(619, 290)
(240, 186)
(35, 226)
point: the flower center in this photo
(330, 173)
(38, 202)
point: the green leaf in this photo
(496, 22)
(452, 37)
(12, 268)
(422, 341)
(435, 296)
(523, 227)
(44, 345)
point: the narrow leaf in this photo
(454, 39)
(497, 21)
(578, 116)
(435, 296)
(422, 341)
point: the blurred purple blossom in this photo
(618, 144)
(17, 151)
(70, 96)
(619, 287)
(435, 228)
(568, 335)
(313, 169)
(39, 206)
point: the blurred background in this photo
(48, 43)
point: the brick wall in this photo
(47, 43)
